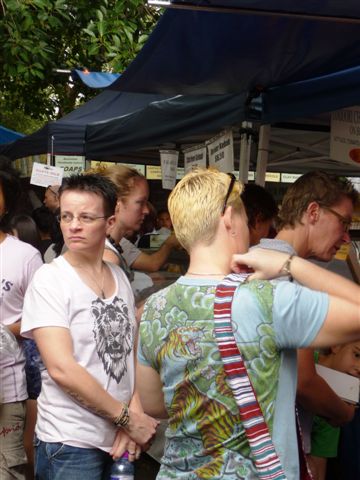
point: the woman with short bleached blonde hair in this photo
(181, 373)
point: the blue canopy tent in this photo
(94, 79)
(67, 135)
(7, 135)
(209, 52)
(280, 62)
(180, 118)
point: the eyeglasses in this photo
(231, 186)
(83, 218)
(345, 222)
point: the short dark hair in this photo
(93, 183)
(316, 186)
(11, 189)
(259, 203)
(43, 218)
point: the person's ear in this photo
(110, 221)
(118, 206)
(313, 212)
(227, 217)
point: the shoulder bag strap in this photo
(263, 451)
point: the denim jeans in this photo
(57, 461)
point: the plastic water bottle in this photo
(122, 469)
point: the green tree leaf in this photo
(41, 37)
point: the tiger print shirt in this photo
(205, 438)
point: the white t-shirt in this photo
(18, 263)
(139, 280)
(130, 251)
(103, 334)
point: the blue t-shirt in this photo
(205, 437)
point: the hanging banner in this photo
(169, 161)
(251, 176)
(45, 175)
(272, 177)
(70, 163)
(96, 164)
(194, 157)
(289, 177)
(221, 151)
(345, 136)
(136, 166)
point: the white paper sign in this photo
(169, 161)
(70, 163)
(194, 157)
(345, 136)
(221, 151)
(45, 175)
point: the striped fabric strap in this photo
(263, 451)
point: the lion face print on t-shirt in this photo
(114, 335)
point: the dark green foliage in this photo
(39, 36)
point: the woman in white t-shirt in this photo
(18, 262)
(80, 311)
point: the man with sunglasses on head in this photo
(314, 221)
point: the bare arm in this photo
(341, 325)
(344, 302)
(315, 395)
(154, 261)
(122, 440)
(56, 349)
(149, 386)
(268, 264)
(15, 328)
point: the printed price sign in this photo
(169, 163)
(221, 152)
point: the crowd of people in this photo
(224, 356)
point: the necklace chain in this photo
(94, 279)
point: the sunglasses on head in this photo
(231, 186)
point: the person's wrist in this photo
(286, 268)
(122, 420)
